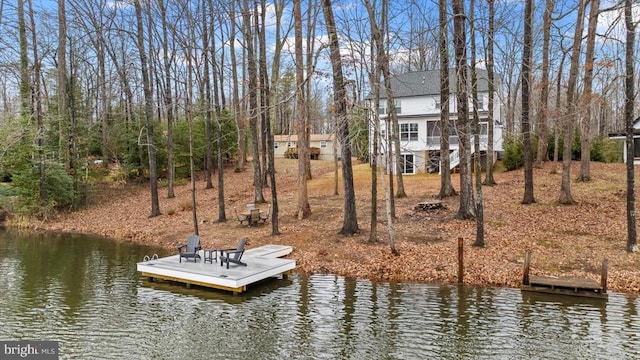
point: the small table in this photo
(210, 255)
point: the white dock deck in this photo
(262, 262)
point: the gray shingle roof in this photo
(421, 83)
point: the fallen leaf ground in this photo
(565, 240)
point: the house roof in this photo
(623, 133)
(421, 83)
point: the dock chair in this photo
(254, 218)
(265, 217)
(233, 255)
(190, 249)
(241, 219)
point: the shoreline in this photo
(566, 241)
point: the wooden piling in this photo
(525, 271)
(460, 261)
(603, 275)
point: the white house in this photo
(636, 142)
(324, 142)
(417, 102)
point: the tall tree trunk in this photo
(632, 236)
(63, 112)
(238, 109)
(350, 222)
(148, 106)
(543, 132)
(526, 128)
(466, 210)
(252, 70)
(489, 180)
(279, 6)
(304, 209)
(266, 97)
(189, 114)
(556, 126)
(392, 113)
(446, 186)
(375, 140)
(168, 99)
(25, 79)
(37, 112)
(222, 217)
(476, 132)
(207, 100)
(586, 103)
(572, 108)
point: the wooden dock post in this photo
(460, 261)
(604, 274)
(525, 271)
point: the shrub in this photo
(513, 153)
(59, 186)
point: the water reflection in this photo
(86, 293)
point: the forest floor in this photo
(565, 240)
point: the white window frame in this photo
(411, 133)
(405, 161)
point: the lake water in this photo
(85, 293)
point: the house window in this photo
(480, 103)
(323, 144)
(398, 106)
(276, 145)
(382, 110)
(636, 147)
(409, 132)
(407, 164)
(484, 128)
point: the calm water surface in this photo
(85, 293)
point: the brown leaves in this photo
(565, 240)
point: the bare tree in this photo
(63, 119)
(238, 109)
(632, 241)
(446, 187)
(153, 177)
(167, 58)
(565, 186)
(466, 210)
(543, 136)
(252, 71)
(587, 97)
(489, 180)
(304, 209)
(208, 108)
(526, 79)
(479, 241)
(37, 111)
(350, 222)
(25, 81)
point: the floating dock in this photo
(262, 262)
(565, 286)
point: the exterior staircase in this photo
(454, 157)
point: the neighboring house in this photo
(325, 142)
(636, 142)
(417, 102)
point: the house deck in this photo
(262, 262)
